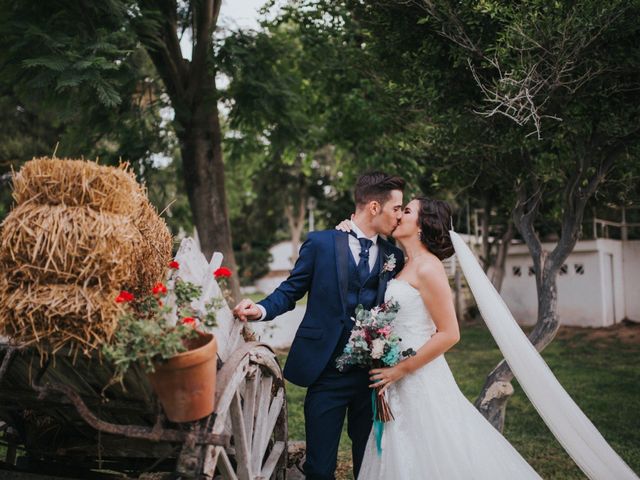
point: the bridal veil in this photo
(567, 422)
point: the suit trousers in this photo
(329, 399)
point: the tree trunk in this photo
(201, 149)
(484, 225)
(296, 224)
(192, 89)
(497, 389)
(501, 257)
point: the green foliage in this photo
(75, 80)
(78, 50)
(413, 64)
(276, 141)
(153, 330)
(146, 340)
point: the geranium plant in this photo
(158, 326)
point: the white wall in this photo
(281, 257)
(269, 283)
(612, 281)
(583, 299)
(279, 268)
(631, 258)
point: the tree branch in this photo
(205, 14)
(164, 48)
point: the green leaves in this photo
(144, 341)
(151, 331)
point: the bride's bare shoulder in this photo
(431, 272)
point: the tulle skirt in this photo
(438, 434)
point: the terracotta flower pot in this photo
(186, 384)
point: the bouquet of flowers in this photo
(373, 344)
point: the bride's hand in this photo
(344, 226)
(385, 377)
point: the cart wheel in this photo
(251, 407)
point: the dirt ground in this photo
(627, 332)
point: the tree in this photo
(529, 106)
(278, 121)
(575, 68)
(71, 54)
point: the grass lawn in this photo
(598, 368)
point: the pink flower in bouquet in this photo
(386, 330)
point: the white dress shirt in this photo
(354, 246)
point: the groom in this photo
(338, 271)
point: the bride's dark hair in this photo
(434, 220)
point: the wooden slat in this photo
(260, 431)
(211, 456)
(226, 469)
(265, 356)
(274, 412)
(272, 461)
(240, 440)
(225, 392)
(249, 406)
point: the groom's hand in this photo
(247, 310)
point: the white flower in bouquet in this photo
(377, 348)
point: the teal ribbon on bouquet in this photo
(378, 425)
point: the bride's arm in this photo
(434, 289)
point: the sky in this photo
(236, 14)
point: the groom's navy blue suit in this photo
(327, 271)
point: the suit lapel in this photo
(342, 265)
(384, 276)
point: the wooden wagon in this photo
(57, 418)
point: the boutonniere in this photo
(389, 264)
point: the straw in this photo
(79, 233)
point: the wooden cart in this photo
(57, 420)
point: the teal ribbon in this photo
(378, 425)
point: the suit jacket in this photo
(322, 271)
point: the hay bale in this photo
(79, 234)
(53, 181)
(154, 252)
(58, 315)
(62, 244)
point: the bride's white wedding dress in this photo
(437, 433)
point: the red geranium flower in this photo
(174, 265)
(159, 288)
(189, 321)
(124, 297)
(222, 272)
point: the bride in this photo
(437, 433)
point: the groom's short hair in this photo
(376, 186)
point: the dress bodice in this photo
(413, 324)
